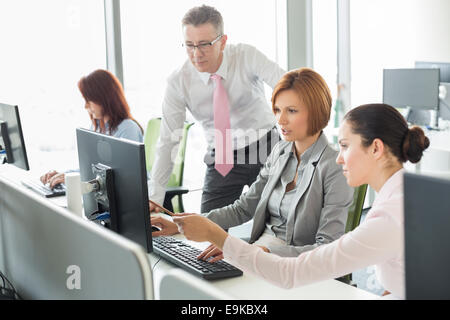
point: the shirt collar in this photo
(392, 185)
(222, 71)
(313, 153)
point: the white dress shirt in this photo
(378, 241)
(244, 70)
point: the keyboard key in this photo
(185, 256)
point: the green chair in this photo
(173, 200)
(354, 218)
(355, 210)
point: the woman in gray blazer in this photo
(300, 199)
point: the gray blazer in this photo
(317, 216)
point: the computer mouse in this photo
(154, 228)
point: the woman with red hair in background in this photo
(108, 110)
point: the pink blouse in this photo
(378, 241)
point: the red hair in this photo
(104, 89)
(312, 89)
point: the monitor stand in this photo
(434, 119)
(103, 188)
(6, 143)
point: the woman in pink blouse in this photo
(374, 142)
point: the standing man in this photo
(222, 86)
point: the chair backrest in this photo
(354, 218)
(355, 210)
(150, 141)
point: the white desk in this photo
(249, 287)
(241, 288)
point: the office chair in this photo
(353, 219)
(355, 210)
(173, 200)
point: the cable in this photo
(3, 279)
(153, 268)
(11, 292)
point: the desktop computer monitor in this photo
(427, 237)
(414, 89)
(11, 136)
(116, 171)
(444, 88)
(444, 68)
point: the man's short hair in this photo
(204, 14)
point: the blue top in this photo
(127, 129)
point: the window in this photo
(325, 49)
(48, 46)
(152, 42)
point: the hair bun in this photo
(414, 144)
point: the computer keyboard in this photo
(37, 186)
(185, 256)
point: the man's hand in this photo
(153, 208)
(167, 227)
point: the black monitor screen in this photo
(415, 88)
(11, 136)
(427, 237)
(444, 68)
(128, 197)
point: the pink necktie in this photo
(223, 148)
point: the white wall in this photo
(433, 32)
(394, 34)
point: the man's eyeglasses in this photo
(202, 46)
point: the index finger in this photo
(45, 178)
(216, 258)
(206, 251)
(213, 253)
(177, 220)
